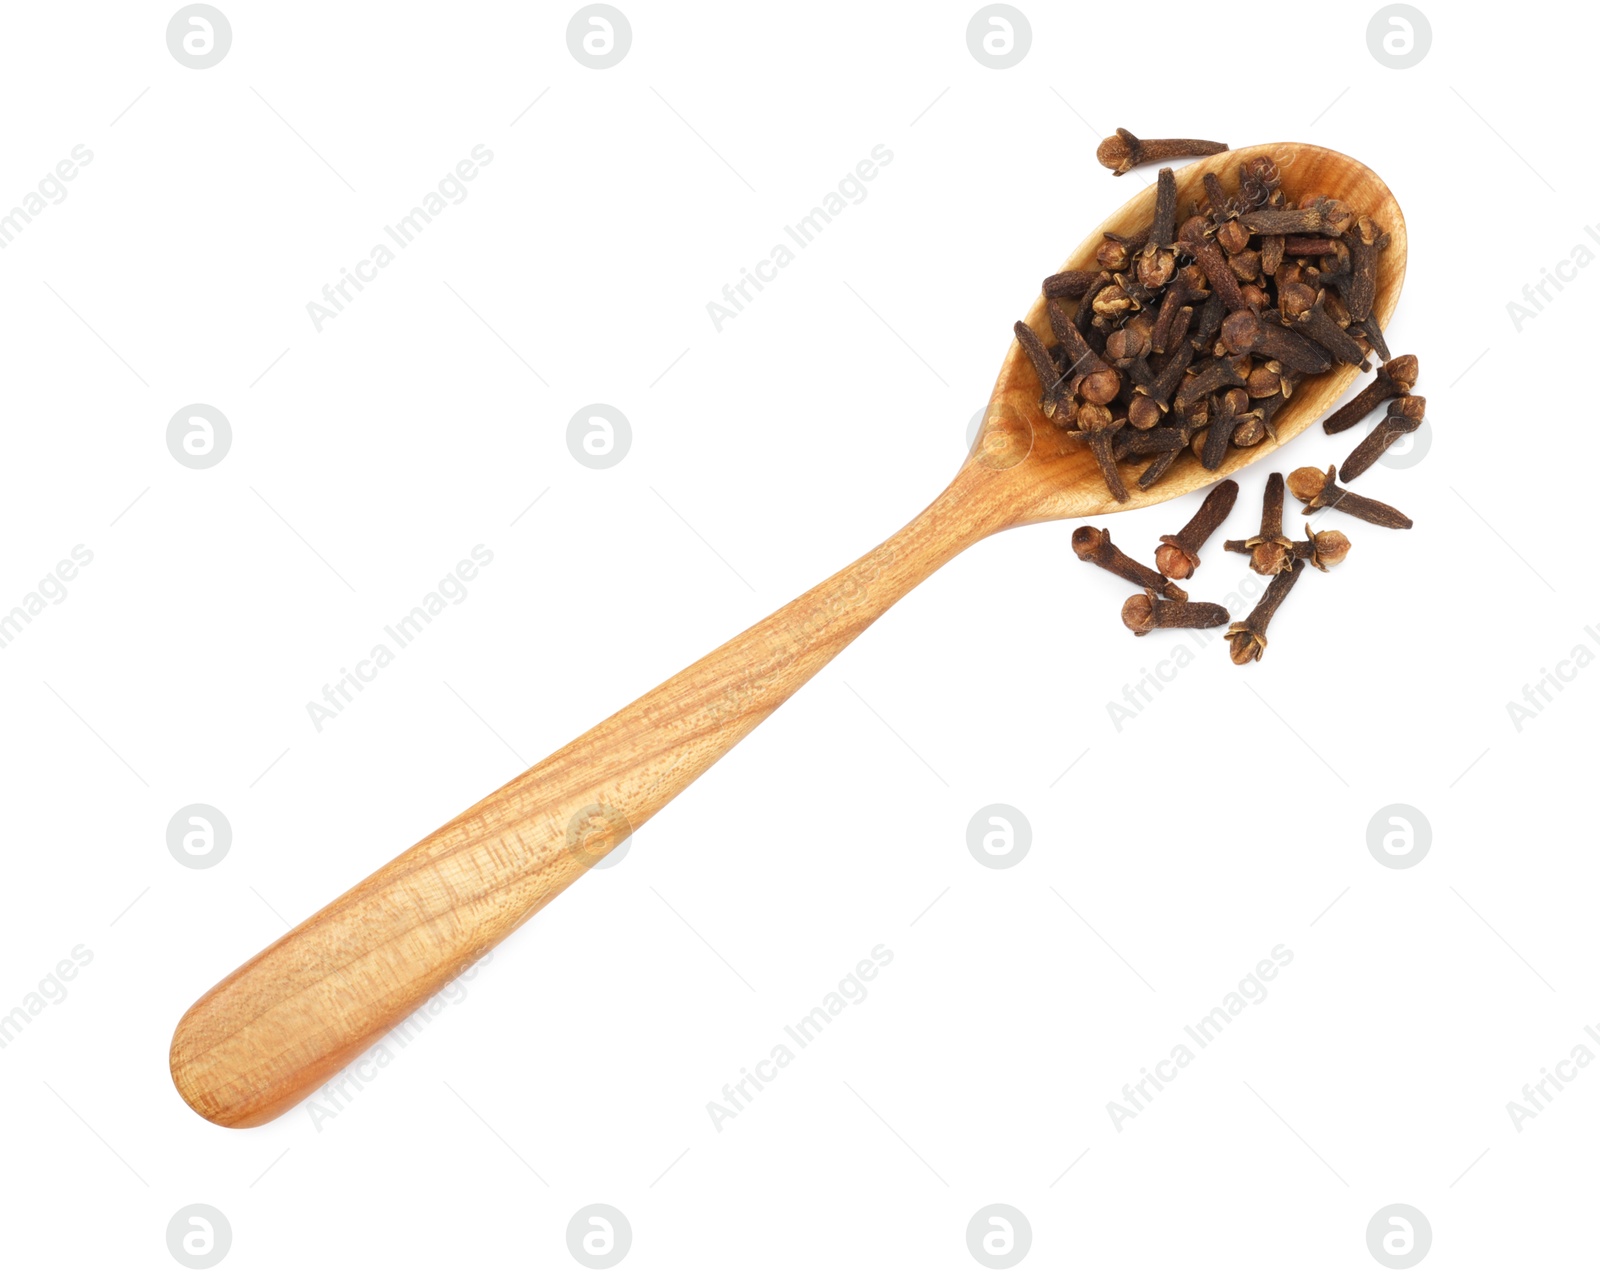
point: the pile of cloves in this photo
(1261, 292)
(1193, 334)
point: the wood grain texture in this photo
(284, 1023)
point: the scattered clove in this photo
(1123, 151)
(1179, 555)
(1271, 552)
(1405, 415)
(1394, 378)
(1093, 545)
(1319, 491)
(1247, 640)
(1144, 612)
(1323, 549)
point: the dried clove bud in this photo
(1051, 392)
(1178, 556)
(1208, 379)
(1232, 236)
(1258, 181)
(1188, 422)
(1272, 250)
(1144, 413)
(1144, 612)
(1087, 373)
(1364, 241)
(1319, 491)
(1224, 283)
(1187, 285)
(1129, 342)
(1093, 545)
(1208, 323)
(1150, 442)
(1324, 216)
(1250, 430)
(1113, 254)
(1230, 408)
(1248, 640)
(1069, 283)
(1096, 426)
(1271, 552)
(1171, 373)
(1313, 321)
(1123, 151)
(1216, 205)
(1405, 415)
(1086, 304)
(1369, 329)
(1164, 227)
(1268, 381)
(1323, 549)
(1155, 266)
(1110, 304)
(1245, 332)
(1394, 378)
(1246, 264)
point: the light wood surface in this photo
(284, 1023)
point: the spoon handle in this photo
(285, 1022)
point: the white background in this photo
(1228, 817)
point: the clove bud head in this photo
(1272, 557)
(1144, 412)
(1100, 386)
(1118, 152)
(1402, 371)
(1243, 645)
(1307, 484)
(1233, 237)
(1086, 542)
(1329, 548)
(1094, 417)
(1174, 561)
(1139, 613)
(1409, 407)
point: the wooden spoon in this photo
(286, 1021)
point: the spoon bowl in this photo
(1054, 474)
